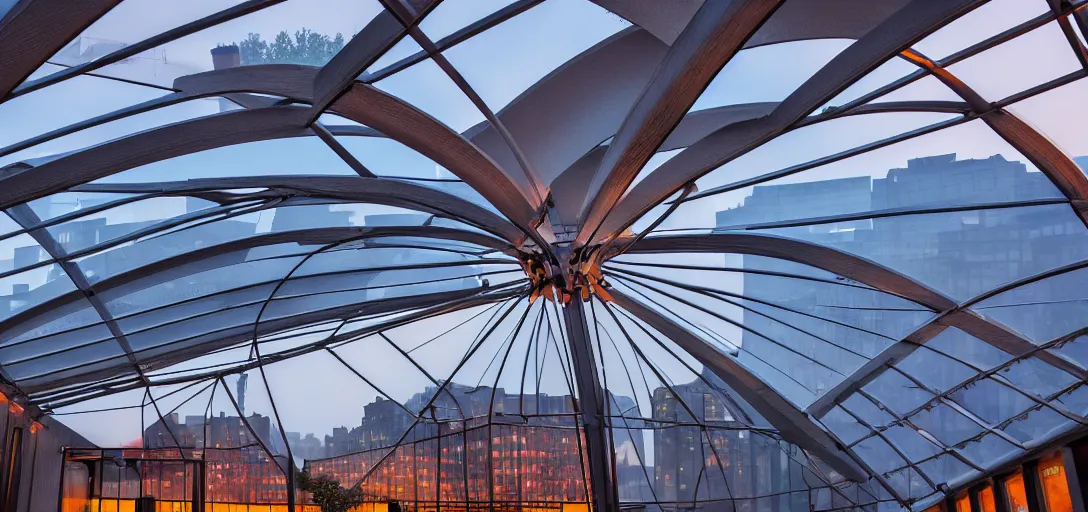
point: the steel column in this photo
(1073, 478)
(1032, 488)
(591, 403)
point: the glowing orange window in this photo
(1014, 490)
(1055, 485)
(963, 504)
(986, 499)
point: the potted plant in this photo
(326, 493)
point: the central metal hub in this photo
(576, 274)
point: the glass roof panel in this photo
(118, 259)
(67, 103)
(61, 319)
(20, 251)
(506, 60)
(112, 421)
(292, 32)
(1037, 425)
(69, 339)
(1075, 349)
(191, 331)
(883, 75)
(403, 49)
(50, 364)
(130, 22)
(300, 155)
(939, 372)
(644, 370)
(961, 165)
(1036, 377)
(232, 272)
(1019, 64)
(988, 450)
(1055, 114)
(952, 267)
(655, 161)
(946, 468)
(897, 392)
(1042, 310)
(168, 311)
(909, 484)
(963, 347)
(453, 15)
(804, 370)
(990, 401)
(768, 73)
(29, 288)
(66, 203)
(7, 225)
(844, 426)
(427, 87)
(1075, 400)
(988, 20)
(927, 88)
(863, 319)
(117, 222)
(87, 137)
(220, 359)
(391, 159)
(913, 445)
(878, 455)
(816, 141)
(946, 424)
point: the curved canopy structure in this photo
(594, 254)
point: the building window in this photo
(986, 500)
(1054, 483)
(963, 503)
(1014, 491)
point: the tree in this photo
(252, 49)
(307, 47)
(327, 493)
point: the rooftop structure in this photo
(759, 255)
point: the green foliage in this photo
(307, 47)
(327, 493)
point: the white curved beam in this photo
(885, 41)
(385, 191)
(229, 128)
(400, 121)
(709, 41)
(575, 107)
